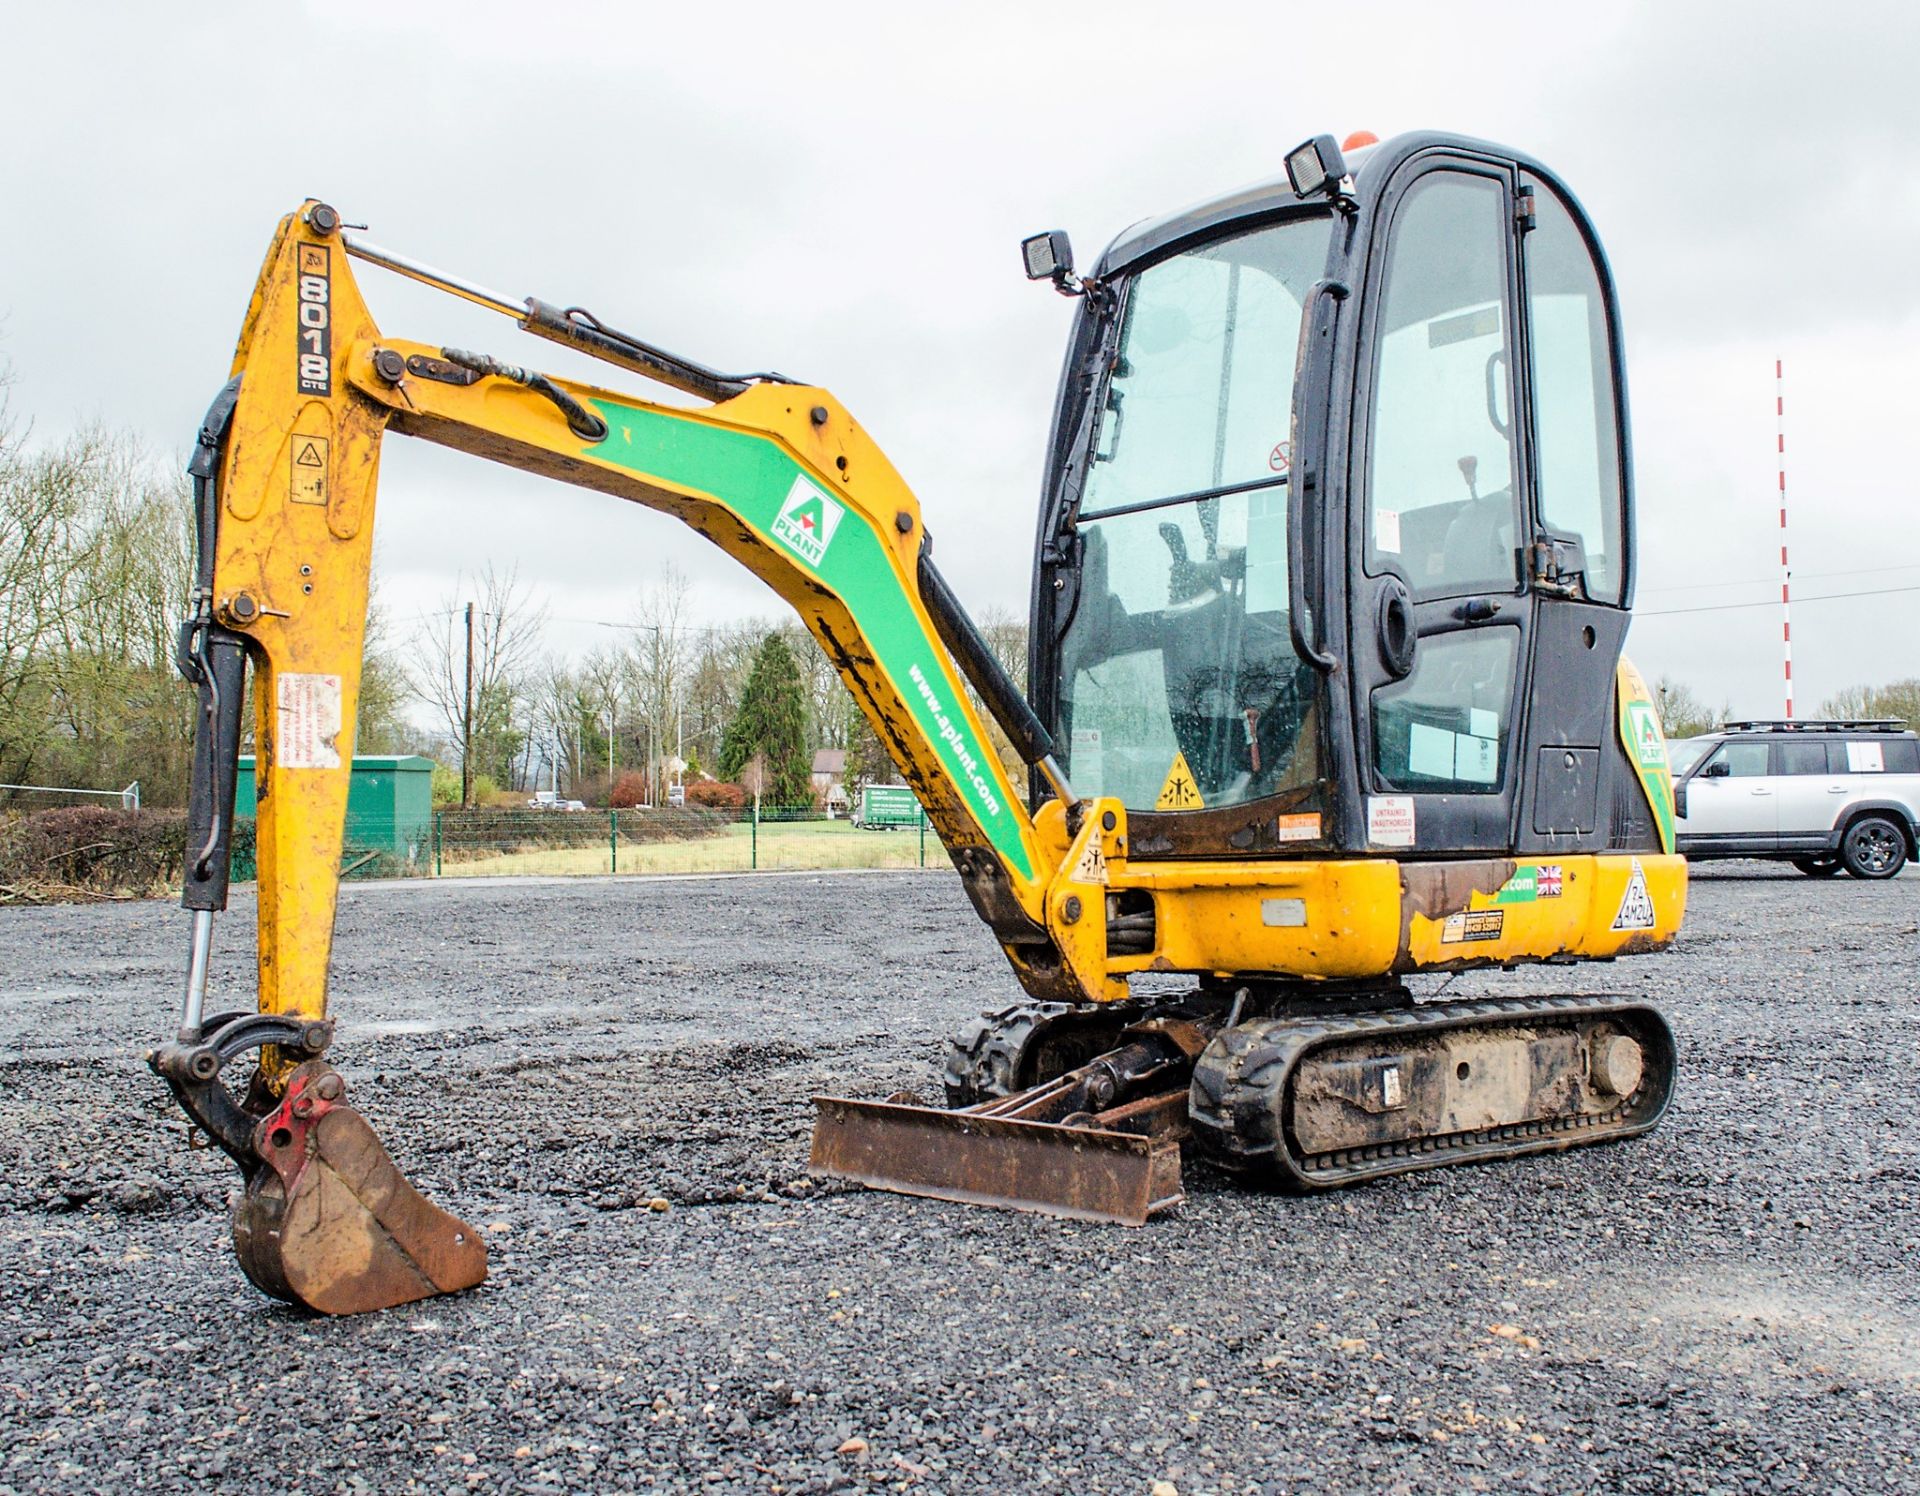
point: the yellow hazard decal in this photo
(308, 477)
(1179, 792)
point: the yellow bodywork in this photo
(297, 490)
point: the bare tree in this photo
(600, 703)
(1896, 701)
(125, 712)
(1006, 638)
(94, 571)
(380, 723)
(507, 628)
(1682, 713)
(42, 565)
(1006, 635)
(657, 666)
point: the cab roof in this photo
(1369, 164)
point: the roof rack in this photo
(1878, 724)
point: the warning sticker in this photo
(1386, 531)
(307, 727)
(1297, 827)
(1390, 820)
(1179, 792)
(1391, 1092)
(1636, 904)
(1474, 924)
(1092, 866)
(307, 470)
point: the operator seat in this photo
(1479, 540)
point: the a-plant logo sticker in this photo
(806, 521)
(1647, 744)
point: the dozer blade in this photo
(331, 1223)
(1085, 1173)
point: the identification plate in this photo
(313, 352)
(307, 721)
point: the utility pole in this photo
(1786, 572)
(466, 723)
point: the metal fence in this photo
(479, 843)
(65, 794)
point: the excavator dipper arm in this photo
(776, 474)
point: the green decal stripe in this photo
(1521, 888)
(1655, 777)
(752, 476)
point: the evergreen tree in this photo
(771, 721)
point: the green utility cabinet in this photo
(389, 816)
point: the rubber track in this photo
(991, 1055)
(1243, 1080)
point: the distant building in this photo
(829, 774)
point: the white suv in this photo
(1821, 795)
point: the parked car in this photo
(1821, 795)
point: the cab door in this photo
(1440, 616)
(1578, 485)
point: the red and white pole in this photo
(1786, 574)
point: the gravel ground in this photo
(1730, 1305)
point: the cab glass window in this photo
(1178, 685)
(1440, 494)
(1578, 448)
(1202, 393)
(1178, 669)
(1443, 728)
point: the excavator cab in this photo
(1333, 554)
(1332, 573)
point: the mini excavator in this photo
(1333, 569)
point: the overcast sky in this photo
(837, 192)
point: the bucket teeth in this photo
(331, 1223)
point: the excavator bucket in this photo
(330, 1222)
